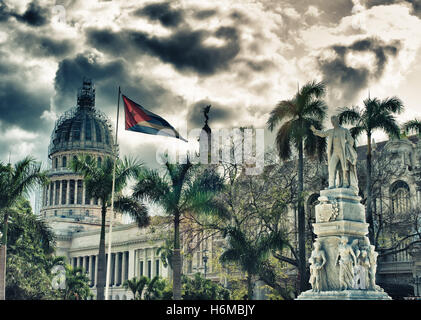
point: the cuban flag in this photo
(139, 119)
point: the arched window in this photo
(311, 207)
(64, 161)
(311, 215)
(55, 163)
(399, 192)
(99, 160)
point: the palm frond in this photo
(412, 125)
(284, 110)
(134, 209)
(349, 115)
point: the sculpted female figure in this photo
(317, 261)
(347, 260)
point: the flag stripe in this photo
(139, 119)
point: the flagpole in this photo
(108, 276)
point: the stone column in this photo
(76, 180)
(96, 270)
(123, 267)
(115, 268)
(84, 192)
(68, 191)
(131, 264)
(54, 192)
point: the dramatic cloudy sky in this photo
(176, 57)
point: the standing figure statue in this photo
(317, 261)
(341, 155)
(347, 260)
(372, 257)
(364, 269)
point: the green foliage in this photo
(183, 189)
(200, 288)
(156, 288)
(77, 285)
(29, 255)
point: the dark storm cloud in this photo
(163, 12)
(34, 15)
(184, 49)
(218, 114)
(107, 76)
(40, 45)
(351, 80)
(19, 104)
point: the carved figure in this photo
(347, 260)
(317, 261)
(341, 155)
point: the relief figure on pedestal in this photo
(341, 155)
(362, 269)
(317, 261)
(347, 260)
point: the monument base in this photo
(344, 295)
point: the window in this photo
(63, 191)
(64, 162)
(156, 267)
(55, 213)
(99, 160)
(141, 268)
(51, 194)
(57, 193)
(312, 202)
(70, 212)
(87, 213)
(149, 269)
(400, 197)
(72, 192)
(79, 191)
(55, 163)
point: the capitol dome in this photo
(82, 127)
(82, 130)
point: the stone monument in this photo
(343, 262)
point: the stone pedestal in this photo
(344, 263)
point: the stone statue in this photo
(347, 260)
(341, 155)
(364, 266)
(317, 261)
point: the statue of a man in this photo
(341, 155)
(317, 261)
(347, 260)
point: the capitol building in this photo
(76, 219)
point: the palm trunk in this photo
(369, 213)
(3, 255)
(101, 257)
(177, 260)
(249, 287)
(301, 221)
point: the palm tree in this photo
(248, 253)
(15, 181)
(184, 188)
(412, 125)
(376, 114)
(77, 284)
(136, 286)
(98, 180)
(296, 116)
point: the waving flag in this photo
(141, 120)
